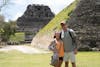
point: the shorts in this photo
(69, 56)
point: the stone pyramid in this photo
(34, 19)
(85, 20)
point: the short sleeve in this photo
(73, 32)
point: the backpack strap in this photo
(73, 39)
(70, 35)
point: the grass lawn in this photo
(18, 37)
(17, 59)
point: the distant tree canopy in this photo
(6, 29)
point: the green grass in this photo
(18, 37)
(17, 59)
(88, 59)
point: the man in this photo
(70, 48)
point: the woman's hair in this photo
(59, 36)
(54, 36)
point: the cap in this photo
(62, 23)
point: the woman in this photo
(59, 49)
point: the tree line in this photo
(6, 29)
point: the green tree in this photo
(8, 30)
(1, 25)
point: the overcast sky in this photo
(17, 7)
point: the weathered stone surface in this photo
(85, 20)
(34, 18)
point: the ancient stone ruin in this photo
(85, 20)
(34, 18)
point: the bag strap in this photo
(73, 39)
(70, 35)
